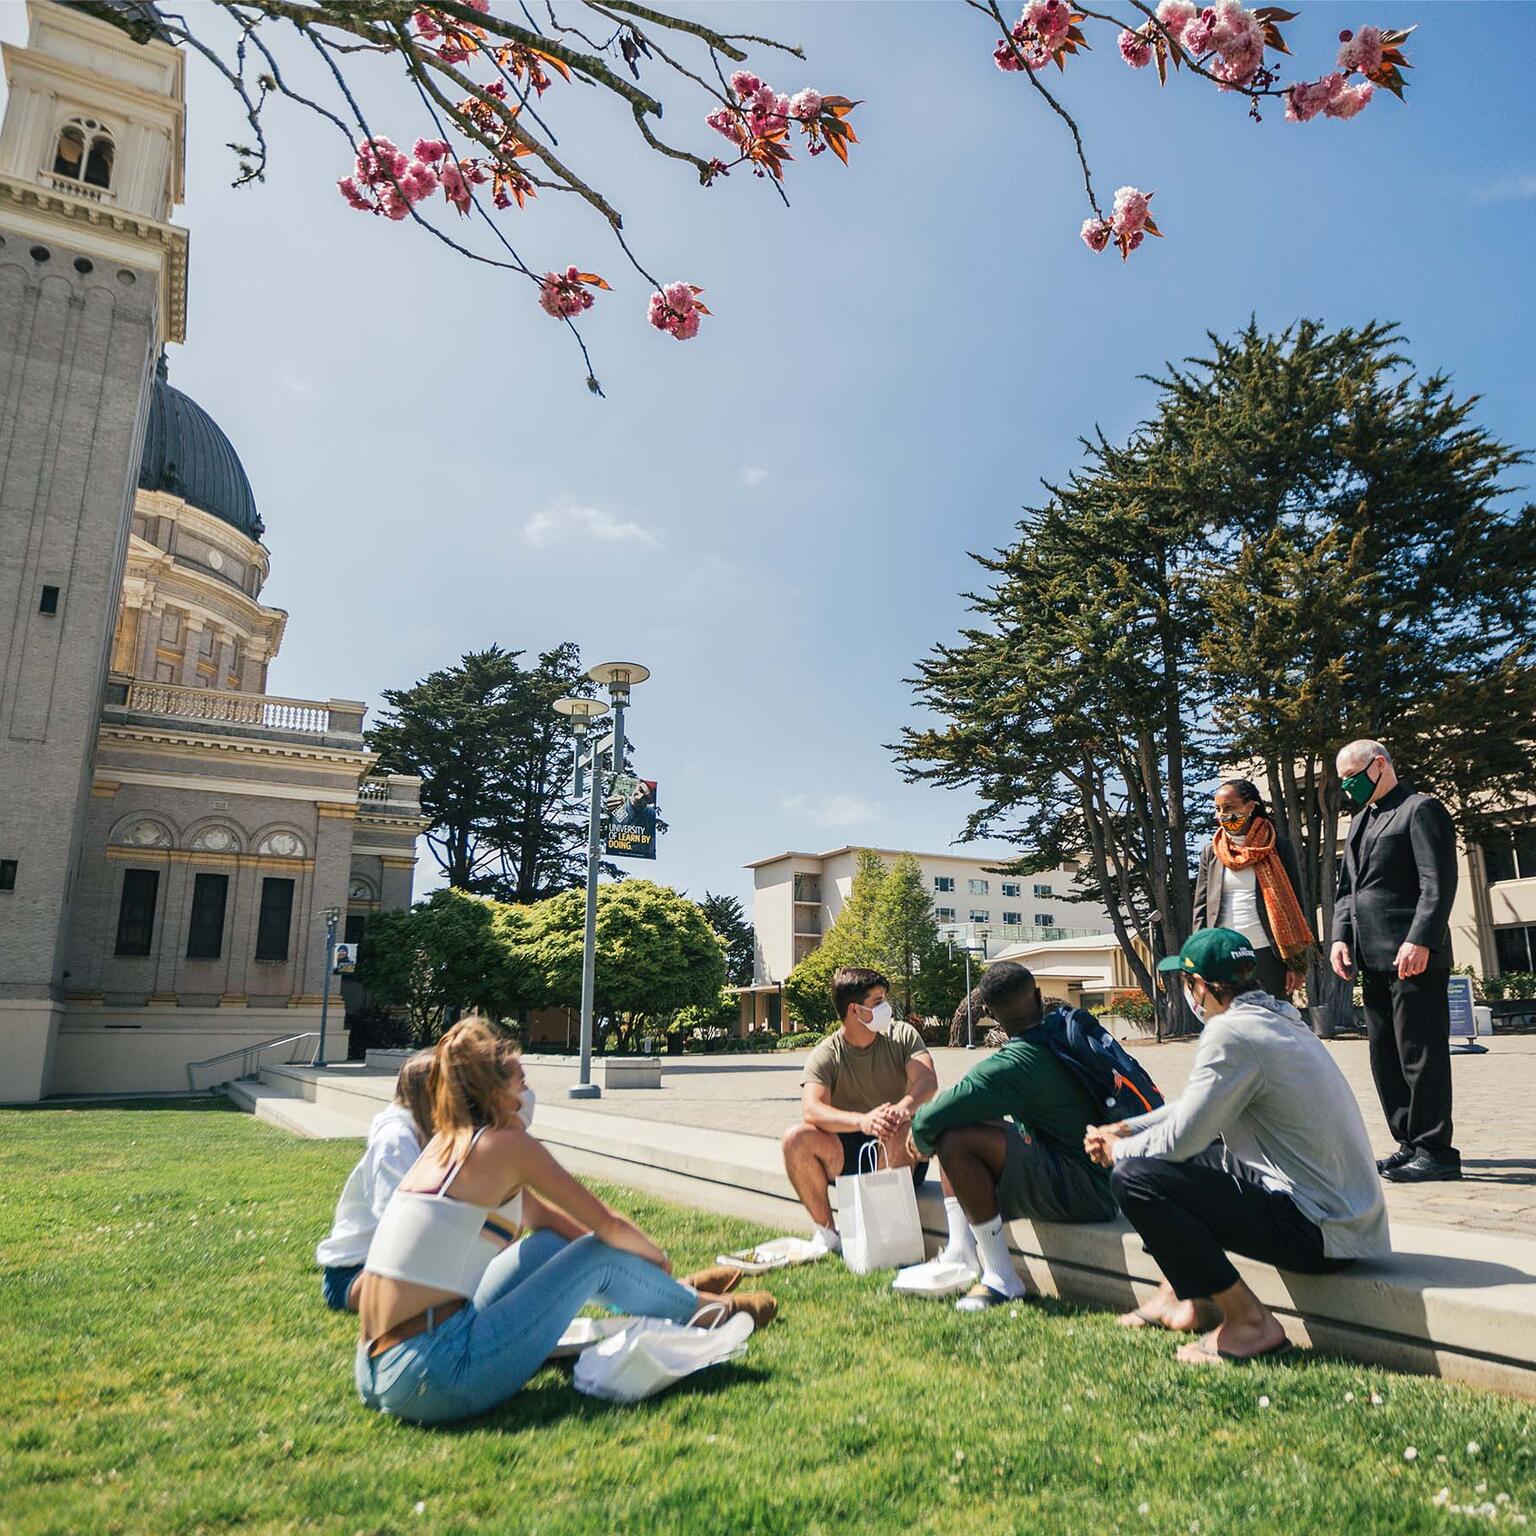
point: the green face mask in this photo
(1359, 787)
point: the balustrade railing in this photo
(79, 188)
(305, 717)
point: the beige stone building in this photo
(172, 835)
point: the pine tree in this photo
(905, 931)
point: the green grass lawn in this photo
(167, 1366)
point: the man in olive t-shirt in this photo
(861, 1086)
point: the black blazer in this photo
(1397, 880)
(1208, 885)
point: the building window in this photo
(1515, 948)
(1512, 860)
(1044, 891)
(49, 601)
(205, 933)
(980, 887)
(136, 911)
(7, 874)
(357, 924)
(275, 920)
(1012, 888)
(85, 152)
(943, 882)
(1013, 919)
(944, 914)
(1044, 920)
(978, 916)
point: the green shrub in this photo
(798, 1042)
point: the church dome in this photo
(186, 454)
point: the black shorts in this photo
(854, 1143)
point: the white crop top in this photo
(425, 1237)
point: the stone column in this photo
(328, 888)
(192, 640)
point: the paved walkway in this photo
(1495, 1099)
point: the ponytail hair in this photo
(1249, 791)
(470, 1068)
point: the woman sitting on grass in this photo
(395, 1140)
(452, 1324)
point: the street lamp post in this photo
(618, 677)
(332, 918)
(1153, 918)
(970, 949)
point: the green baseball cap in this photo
(1217, 954)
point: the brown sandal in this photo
(758, 1305)
(717, 1280)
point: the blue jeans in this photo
(482, 1355)
(336, 1284)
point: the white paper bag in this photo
(877, 1217)
(652, 1354)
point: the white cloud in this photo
(570, 522)
(1515, 189)
(753, 475)
(835, 810)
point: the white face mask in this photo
(525, 1109)
(880, 1017)
(1198, 1009)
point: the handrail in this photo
(308, 717)
(247, 1056)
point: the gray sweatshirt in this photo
(1268, 1087)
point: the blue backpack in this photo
(1110, 1075)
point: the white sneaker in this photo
(824, 1241)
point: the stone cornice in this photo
(134, 228)
(338, 759)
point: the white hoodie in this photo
(393, 1146)
(1266, 1085)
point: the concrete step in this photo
(1448, 1302)
(293, 1113)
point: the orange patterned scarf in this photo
(1287, 922)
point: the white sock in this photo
(827, 1237)
(997, 1268)
(961, 1247)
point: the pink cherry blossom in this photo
(1200, 32)
(426, 26)
(1096, 233)
(354, 193)
(1361, 51)
(1131, 211)
(744, 83)
(676, 310)
(562, 294)
(1349, 101)
(1051, 20)
(805, 106)
(1175, 15)
(1135, 49)
(430, 150)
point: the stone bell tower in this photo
(92, 284)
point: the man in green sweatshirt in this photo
(1009, 1137)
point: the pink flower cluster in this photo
(1136, 47)
(1226, 29)
(563, 295)
(1361, 51)
(388, 181)
(1331, 96)
(430, 27)
(1128, 225)
(676, 310)
(762, 110)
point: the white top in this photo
(1240, 905)
(1267, 1086)
(426, 1237)
(393, 1145)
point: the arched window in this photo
(85, 153)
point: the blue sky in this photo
(775, 516)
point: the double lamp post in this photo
(592, 746)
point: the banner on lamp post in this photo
(631, 819)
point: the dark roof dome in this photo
(186, 454)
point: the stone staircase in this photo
(1449, 1302)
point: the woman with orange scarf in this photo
(1249, 880)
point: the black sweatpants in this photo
(1408, 1024)
(1190, 1215)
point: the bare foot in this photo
(1236, 1341)
(1165, 1310)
